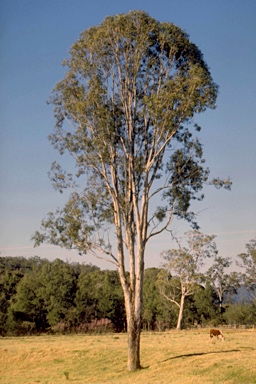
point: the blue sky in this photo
(35, 37)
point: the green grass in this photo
(185, 357)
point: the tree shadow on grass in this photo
(197, 354)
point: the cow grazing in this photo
(216, 332)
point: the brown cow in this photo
(217, 333)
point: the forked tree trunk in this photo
(133, 286)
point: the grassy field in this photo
(185, 357)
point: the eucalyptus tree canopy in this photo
(124, 112)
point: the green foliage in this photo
(12, 270)
(221, 280)
(240, 314)
(28, 305)
(155, 315)
(132, 88)
(182, 269)
(99, 295)
(38, 296)
(248, 262)
(205, 300)
(58, 290)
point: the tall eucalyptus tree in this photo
(122, 111)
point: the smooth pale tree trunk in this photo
(133, 319)
(133, 330)
(182, 300)
(133, 307)
(133, 287)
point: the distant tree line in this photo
(38, 296)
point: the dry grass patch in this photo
(187, 357)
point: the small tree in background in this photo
(247, 261)
(124, 113)
(182, 269)
(221, 280)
